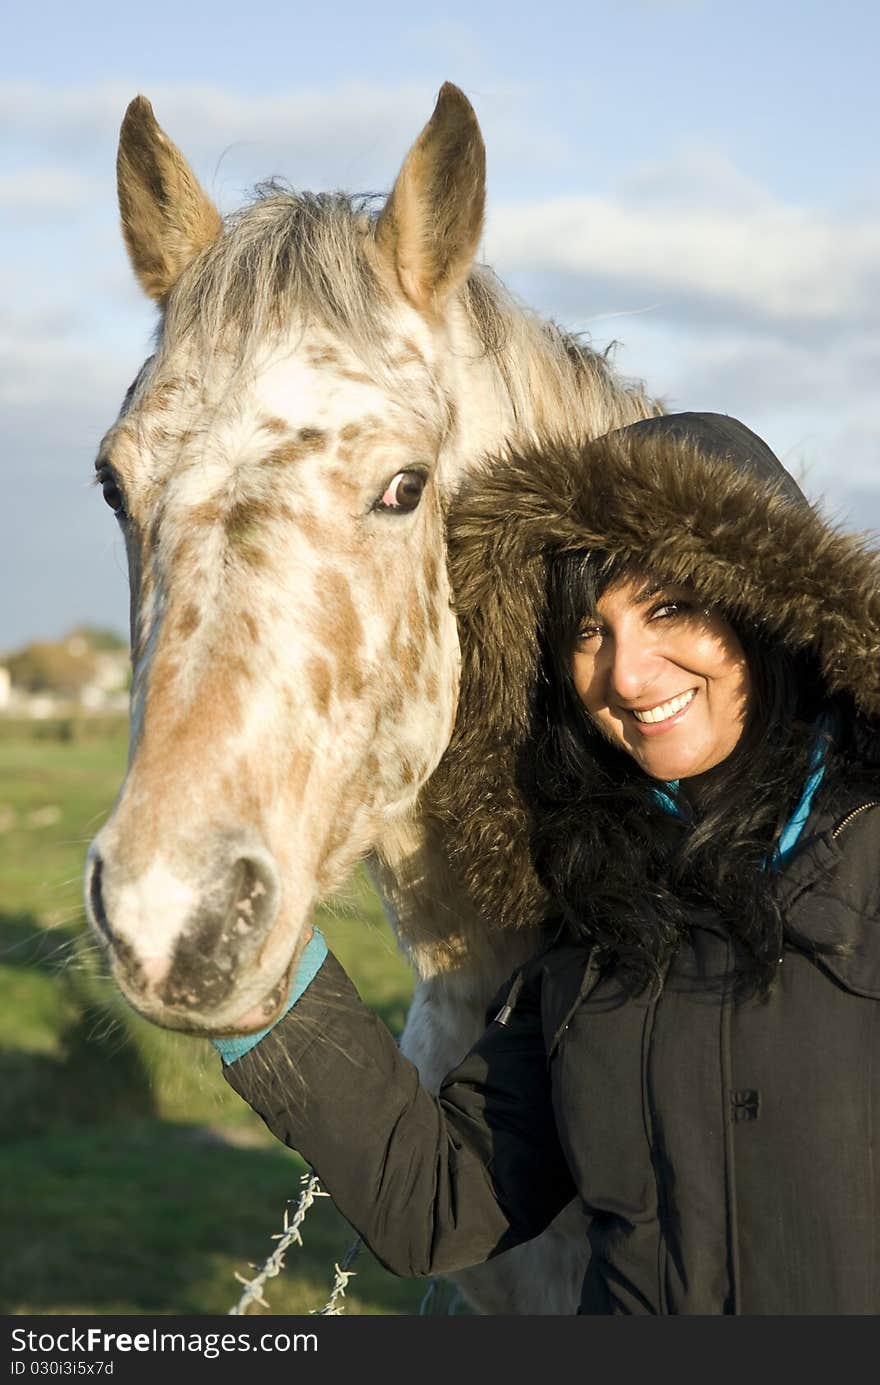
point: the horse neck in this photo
(537, 383)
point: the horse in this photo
(327, 371)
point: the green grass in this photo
(54, 796)
(157, 1218)
(132, 1179)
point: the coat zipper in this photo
(856, 812)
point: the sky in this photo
(695, 181)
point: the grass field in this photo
(132, 1180)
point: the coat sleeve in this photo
(432, 1184)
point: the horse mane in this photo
(554, 378)
(283, 254)
(291, 253)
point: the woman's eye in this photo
(668, 610)
(589, 632)
(403, 492)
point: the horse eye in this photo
(403, 492)
(112, 494)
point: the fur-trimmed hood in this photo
(698, 498)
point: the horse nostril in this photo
(252, 902)
(223, 935)
(96, 898)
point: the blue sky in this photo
(697, 181)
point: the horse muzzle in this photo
(194, 954)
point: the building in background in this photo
(85, 672)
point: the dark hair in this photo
(624, 869)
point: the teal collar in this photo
(795, 824)
(667, 797)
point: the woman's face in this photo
(662, 677)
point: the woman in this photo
(676, 764)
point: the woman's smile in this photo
(665, 714)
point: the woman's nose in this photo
(633, 666)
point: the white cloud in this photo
(352, 136)
(699, 176)
(772, 371)
(772, 263)
(47, 191)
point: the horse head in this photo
(280, 469)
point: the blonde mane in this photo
(289, 255)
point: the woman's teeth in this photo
(666, 709)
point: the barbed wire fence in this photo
(291, 1235)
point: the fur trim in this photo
(664, 505)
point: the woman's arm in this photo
(431, 1183)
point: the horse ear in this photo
(166, 216)
(430, 227)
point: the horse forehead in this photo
(317, 377)
(307, 386)
(310, 425)
(299, 388)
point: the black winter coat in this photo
(724, 1152)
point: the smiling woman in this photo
(662, 677)
(665, 688)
